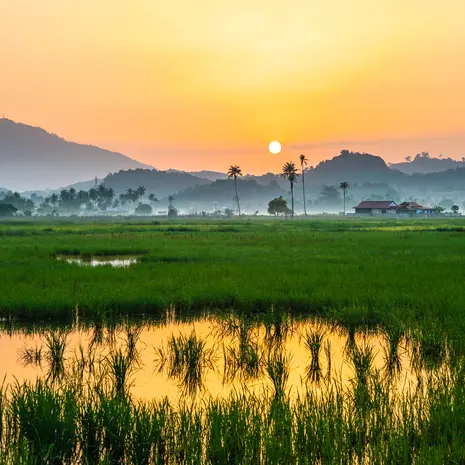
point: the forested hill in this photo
(423, 163)
(161, 183)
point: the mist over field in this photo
(40, 165)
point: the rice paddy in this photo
(336, 341)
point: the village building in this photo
(414, 208)
(391, 208)
(376, 207)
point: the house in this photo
(376, 207)
(388, 208)
(413, 208)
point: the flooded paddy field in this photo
(237, 342)
(213, 356)
(224, 388)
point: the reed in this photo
(55, 345)
(185, 359)
(313, 341)
(43, 425)
(31, 356)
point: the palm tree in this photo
(290, 173)
(131, 195)
(345, 187)
(141, 190)
(233, 172)
(303, 161)
(152, 198)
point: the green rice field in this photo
(254, 341)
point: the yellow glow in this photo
(274, 147)
(201, 84)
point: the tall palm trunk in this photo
(292, 198)
(303, 189)
(344, 192)
(237, 197)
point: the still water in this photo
(212, 357)
(115, 261)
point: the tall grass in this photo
(41, 424)
(313, 341)
(185, 359)
(55, 345)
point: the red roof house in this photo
(376, 207)
(388, 207)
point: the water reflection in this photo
(313, 342)
(115, 261)
(185, 359)
(214, 356)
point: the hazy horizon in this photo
(202, 85)
(381, 148)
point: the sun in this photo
(274, 147)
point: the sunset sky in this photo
(206, 83)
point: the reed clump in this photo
(186, 358)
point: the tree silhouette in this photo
(141, 190)
(54, 199)
(345, 187)
(303, 161)
(455, 208)
(152, 198)
(289, 172)
(130, 194)
(233, 172)
(278, 206)
(143, 209)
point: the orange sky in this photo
(206, 83)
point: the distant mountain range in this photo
(31, 158)
(205, 174)
(423, 164)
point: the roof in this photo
(410, 204)
(376, 204)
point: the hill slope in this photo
(424, 164)
(160, 183)
(31, 158)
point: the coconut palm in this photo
(152, 198)
(289, 172)
(345, 187)
(141, 190)
(233, 172)
(303, 161)
(130, 193)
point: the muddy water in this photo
(151, 379)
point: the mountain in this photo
(32, 159)
(352, 167)
(266, 178)
(211, 175)
(205, 174)
(160, 183)
(423, 164)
